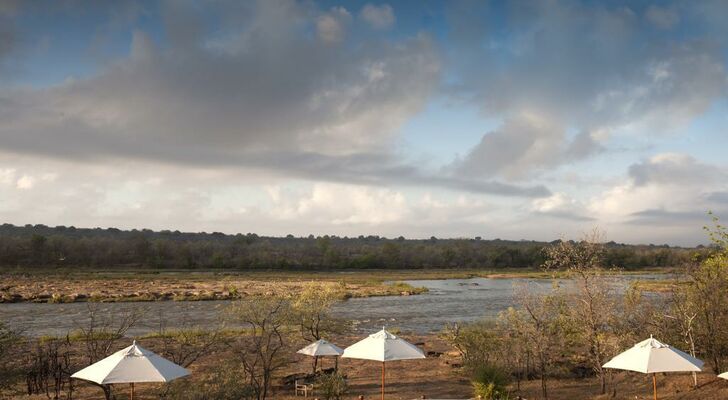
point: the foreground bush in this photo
(223, 383)
(489, 383)
(331, 386)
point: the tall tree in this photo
(592, 302)
(264, 350)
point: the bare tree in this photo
(9, 340)
(187, 343)
(312, 308)
(538, 326)
(478, 343)
(592, 304)
(312, 312)
(263, 351)
(683, 313)
(49, 369)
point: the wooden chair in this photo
(303, 388)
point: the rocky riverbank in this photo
(60, 289)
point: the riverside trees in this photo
(592, 322)
(40, 246)
(705, 296)
(272, 327)
(589, 307)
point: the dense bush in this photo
(489, 382)
(331, 386)
(223, 383)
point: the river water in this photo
(448, 300)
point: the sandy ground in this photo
(438, 377)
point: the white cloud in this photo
(556, 202)
(331, 26)
(340, 205)
(378, 17)
(522, 145)
(25, 182)
(666, 189)
(584, 68)
(7, 175)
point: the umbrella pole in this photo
(382, 380)
(654, 385)
(132, 391)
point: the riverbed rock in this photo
(78, 296)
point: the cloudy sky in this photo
(519, 119)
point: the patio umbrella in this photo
(383, 346)
(131, 365)
(321, 348)
(651, 356)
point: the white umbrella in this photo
(321, 348)
(724, 375)
(651, 356)
(131, 365)
(383, 346)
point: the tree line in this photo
(60, 246)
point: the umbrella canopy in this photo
(383, 346)
(652, 356)
(321, 348)
(131, 365)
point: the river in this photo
(448, 300)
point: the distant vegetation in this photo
(42, 246)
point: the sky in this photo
(500, 119)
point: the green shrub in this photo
(489, 382)
(223, 383)
(331, 386)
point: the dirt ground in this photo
(439, 377)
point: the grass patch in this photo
(403, 287)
